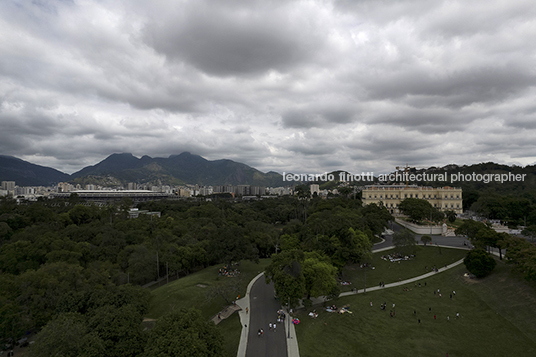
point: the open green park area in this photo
(497, 318)
(497, 315)
(390, 272)
(195, 289)
(202, 290)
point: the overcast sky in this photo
(294, 86)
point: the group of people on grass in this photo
(229, 273)
(437, 292)
(396, 257)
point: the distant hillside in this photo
(176, 169)
(27, 174)
(462, 173)
(193, 169)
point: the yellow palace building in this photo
(442, 198)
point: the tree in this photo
(479, 262)
(41, 290)
(426, 239)
(230, 245)
(20, 256)
(319, 275)
(119, 329)
(5, 232)
(451, 216)
(404, 241)
(139, 262)
(290, 241)
(522, 254)
(486, 237)
(350, 247)
(302, 191)
(530, 231)
(416, 209)
(67, 335)
(287, 274)
(80, 215)
(12, 323)
(376, 218)
(185, 334)
(297, 274)
(469, 228)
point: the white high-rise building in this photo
(8, 185)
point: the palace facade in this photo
(390, 196)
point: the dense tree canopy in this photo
(415, 208)
(68, 335)
(185, 334)
(297, 275)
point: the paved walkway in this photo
(398, 283)
(225, 313)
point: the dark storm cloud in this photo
(456, 88)
(224, 41)
(304, 119)
(435, 120)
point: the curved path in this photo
(260, 301)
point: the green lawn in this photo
(426, 257)
(497, 319)
(231, 329)
(191, 291)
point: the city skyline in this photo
(301, 86)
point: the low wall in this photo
(422, 229)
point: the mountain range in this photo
(187, 168)
(119, 169)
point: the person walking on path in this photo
(270, 326)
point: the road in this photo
(263, 310)
(452, 241)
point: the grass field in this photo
(191, 291)
(497, 318)
(231, 329)
(426, 258)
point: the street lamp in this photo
(365, 265)
(288, 317)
